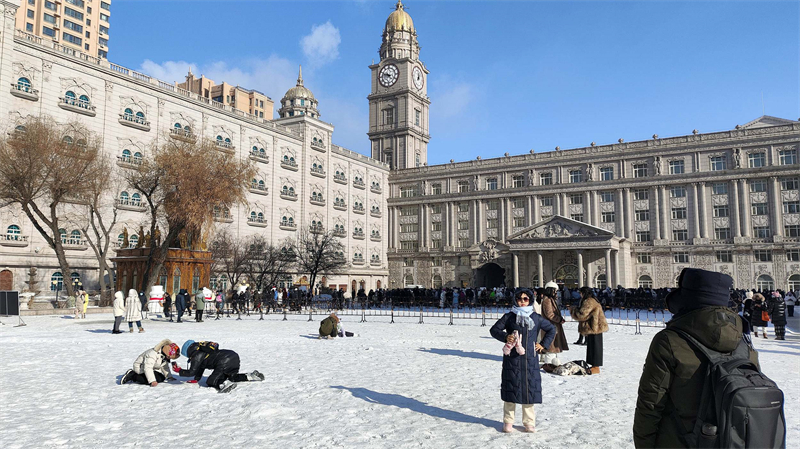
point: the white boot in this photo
(227, 386)
(255, 376)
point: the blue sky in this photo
(506, 76)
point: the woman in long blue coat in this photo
(522, 382)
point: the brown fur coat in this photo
(551, 312)
(590, 317)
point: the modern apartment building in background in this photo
(76, 24)
(237, 97)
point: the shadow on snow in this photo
(467, 354)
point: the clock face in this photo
(388, 75)
(417, 76)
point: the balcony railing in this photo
(340, 233)
(182, 134)
(77, 105)
(128, 162)
(375, 213)
(341, 205)
(358, 260)
(319, 146)
(316, 229)
(318, 172)
(341, 179)
(288, 195)
(287, 226)
(375, 237)
(257, 222)
(259, 157)
(14, 240)
(74, 244)
(223, 217)
(127, 204)
(358, 209)
(225, 146)
(258, 189)
(134, 122)
(359, 184)
(289, 165)
(358, 235)
(375, 262)
(375, 188)
(24, 91)
(318, 200)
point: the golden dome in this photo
(299, 91)
(399, 19)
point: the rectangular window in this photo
(641, 194)
(463, 207)
(608, 217)
(758, 186)
(680, 234)
(411, 245)
(48, 32)
(639, 170)
(50, 5)
(463, 186)
(606, 197)
(73, 39)
(575, 176)
(408, 262)
(755, 160)
(793, 255)
(721, 211)
(644, 258)
(31, 14)
(436, 243)
(642, 215)
(29, 27)
(763, 255)
(492, 204)
(791, 230)
(409, 211)
(577, 217)
(546, 201)
(681, 257)
(416, 117)
(463, 242)
(388, 116)
(719, 188)
(104, 17)
(491, 223)
(409, 227)
(545, 217)
(787, 157)
(103, 41)
(105, 6)
(761, 232)
(408, 192)
(546, 179)
(491, 183)
(789, 183)
(519, 222)
(576, 198)
(73, 26)
(518, 181)
(677, 192)
(725, 256)
(436, 226)
(719, 163)
(518, 203)
(678, 213)
(72, 13)
(607, 173)
(722, 233)
(791, 207)
(676, 167)
(32, 2)
(436, 208)
(49, 18)
(759, 208)
(436, 262)
(436, 189)
(78, 3)
(642, 236)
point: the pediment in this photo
(766, 120)
(558, 227)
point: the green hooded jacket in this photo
(674, 374)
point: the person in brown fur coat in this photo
(591, 324)
(552, 313)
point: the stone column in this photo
(395, 228)
(390, 220)
(422, 220)
(535, 212)
(701, 195)
(509, 217)
(665, 214)
(616, 269)
(695, 211)
(581, 281)
(628, 213)
(516, 269)
(747, 223)
(609, 280)
(501, 220)
(540, 268)
(476, 231)
(776, 205)
(564, 205)
(735, 217)
(655, 216)
(618, 215)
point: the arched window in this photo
(291, 190)
(81, 144)
(254, 150)
(794, 282)
(137, 158)
(601, 282)
(12, 233)
(196, 280)
(136, 199)
(252, 216)
(176, 281)
(128, 113)
(75, 276)
(140, 117)
(261, 152)
(63, 234)
(260, 216)
(409, 280)
(70, 97)
(177, 126)
(219, 138)
(291, 221)
(24, 84)
(187, 129)
(68, 140)
(133, 241)
(124, 197)
(20, 129)
(228, 140)
(765, 282)
(126, 155)
(645, 281)
(83, 101)
(120, 240)
(261, 185)
(75, 237)
(56, 281)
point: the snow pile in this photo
(396, 385)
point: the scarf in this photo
(524, 316)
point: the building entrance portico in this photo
(490, 275)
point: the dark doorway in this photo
(490, 275)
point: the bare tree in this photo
(44, 165)
(319, 252)
(267, 263)
(231, 256)
(183, 181)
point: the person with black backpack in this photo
(702, 385)
(205, 355)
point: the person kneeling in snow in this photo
(151, 367)
(331, 327)
(225, 363)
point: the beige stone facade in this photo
(78, 25)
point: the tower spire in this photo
(300, 76)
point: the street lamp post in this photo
(58, 289)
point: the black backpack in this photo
(740, 407)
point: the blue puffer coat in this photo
(522, 382)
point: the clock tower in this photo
(398, 101)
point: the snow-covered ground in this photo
(396, 385)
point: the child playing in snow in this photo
(224, 363)
(331, 326)
(151, 367)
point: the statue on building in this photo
(737, 157)
(183, 239)
(140, 240)
(157, 236)
(475, 183)
(147, 239)
(657, 165)
(531, 176)
(424, 187)
(590, 172)
(125, 242)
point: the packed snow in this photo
(395, 385)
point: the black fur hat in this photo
(699, 288)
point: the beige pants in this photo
(528, 413)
